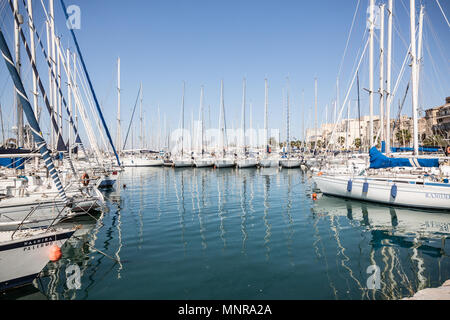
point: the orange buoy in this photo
(85, 179)
(314, 196)
(320, 173)
(55, 253)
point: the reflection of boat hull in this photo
(106, 182)
(23, 258)
(290, 163)
(428, 196)
(378, 216)
(224, 163)
(247, 163)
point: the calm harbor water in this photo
(244, 234)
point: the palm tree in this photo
(403, 136)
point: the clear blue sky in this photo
(163, 43)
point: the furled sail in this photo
(28, 110)
(380, 161)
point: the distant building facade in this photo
(435, 122)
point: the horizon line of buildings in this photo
(436, 122)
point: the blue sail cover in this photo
(380, 161)
(423, 149)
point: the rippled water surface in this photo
(246, 234)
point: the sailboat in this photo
(202, 161)
(223, 161)
(24, 253)
(411, 182)
(140, 159)
(181, 160)
(288, 161)
(267, 160)
(244, 161)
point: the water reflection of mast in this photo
(119, 230)
(220, 213)
(141, 208)
(181, 207)
(334, 225)
(243, 196)
(200, 207)
(289, 217)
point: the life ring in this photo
(85, 179)
(447, 150)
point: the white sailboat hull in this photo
(23, 258)
(269, 163)
(224, 163)
(290, 163)
(247, 163)
(182, 163)
(141, 162)
(430, 196)
(204, 163)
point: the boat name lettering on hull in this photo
(437, 195)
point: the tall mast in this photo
(58, 81)
(382, 71)
(315, 112)
(412, 14)
(419, 50)
(69, 98)
(141, 134)
(388, 78)
(182, 122)
(119, 134)
(371, 30)
(288, 142)
(74, 86)
(50, 82)
(33, 57)
(222, 120)
(159, 128)
(52, 61)
(303, 118)
(266, 114)
(243, 145)
(251, 125)
(337, 99)
(18, 67)
(202, 128)
(348, 126)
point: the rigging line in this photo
(347, 95)
(100, 113)
(131, 120)
(348, 38)
(445, 17)
(433, 65)
(358, 54)
(436, 39)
